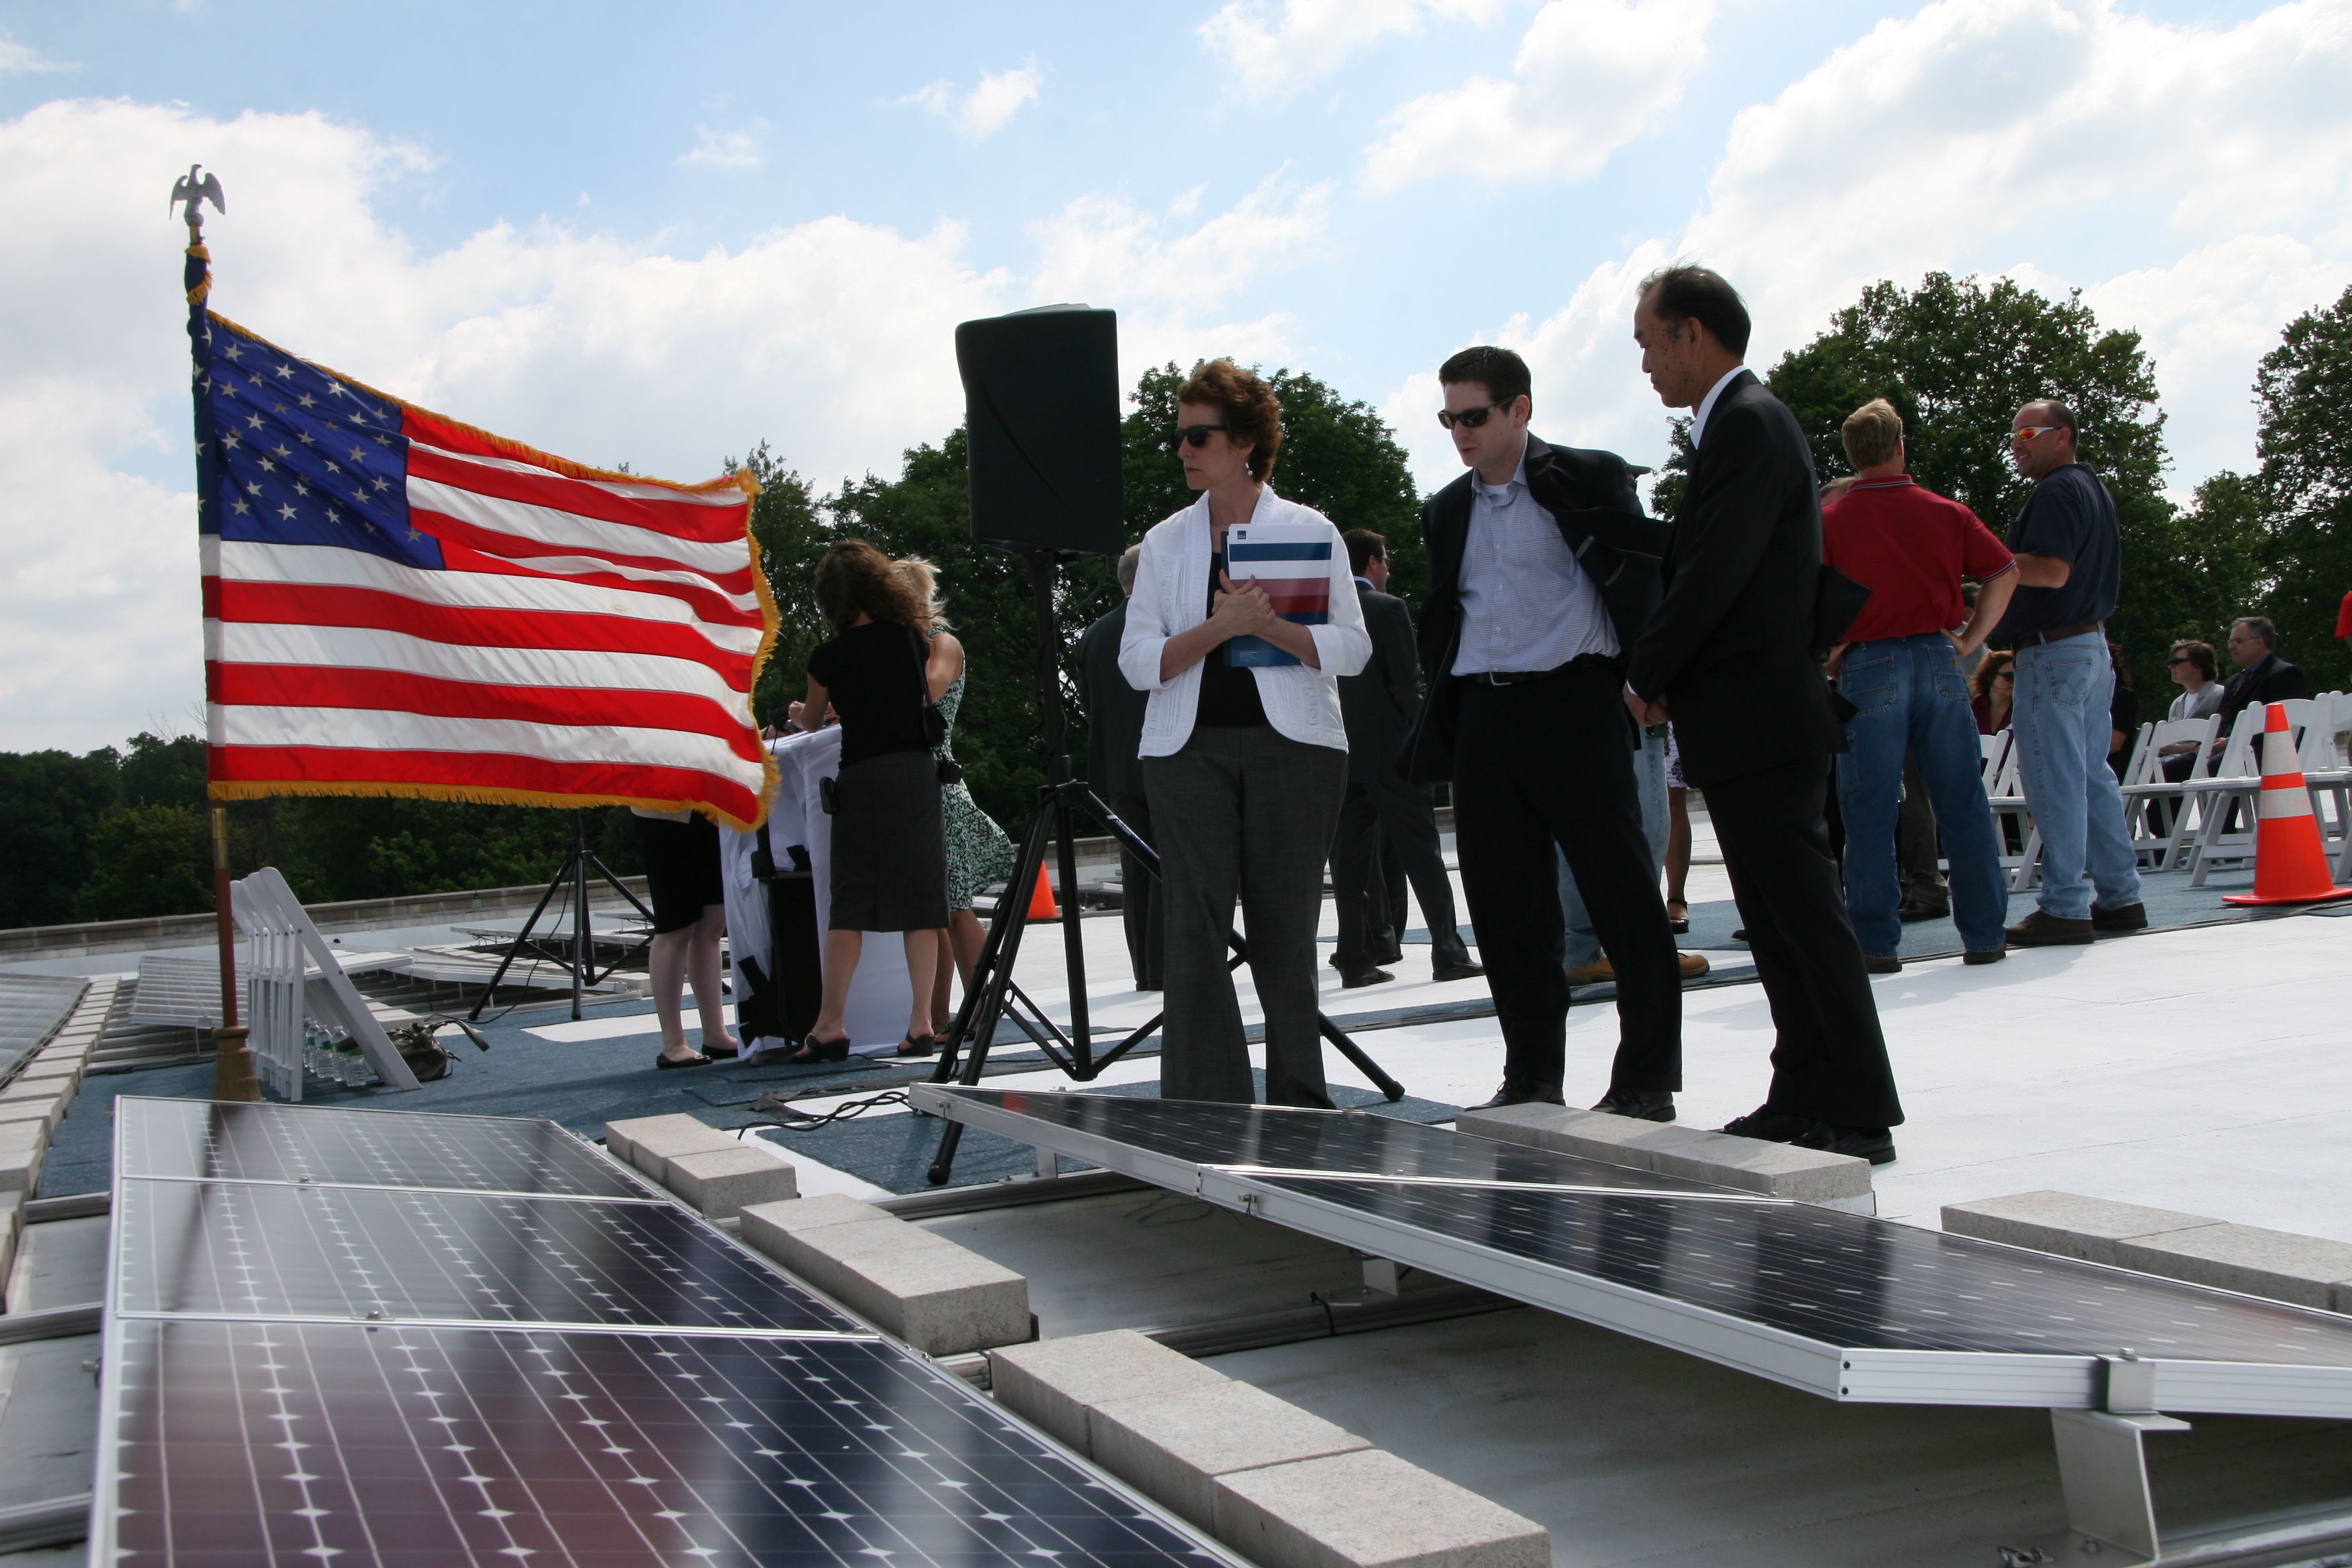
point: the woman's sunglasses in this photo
(1198, 435)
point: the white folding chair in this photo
(2010, 812)
(2217, 839)
(2145, 789)
(1995, 748)
(285, 995)
(2326, 773)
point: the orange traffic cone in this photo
(2289, 864)
(1041, 900)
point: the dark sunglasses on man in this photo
(1198, 435)
(1473, 417)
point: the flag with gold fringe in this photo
(399, 605)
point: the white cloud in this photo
(1274, 54)
(834, 339)
(1591, 76)
(2029, 138)
(23, 59)
(988, 108)
(714, 149)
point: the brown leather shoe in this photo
(2042, 929)
(1600, 972)
(1876, 964)
(2123, 917)
(1694, 964)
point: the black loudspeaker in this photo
(1041, 404)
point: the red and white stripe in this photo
(590, 640)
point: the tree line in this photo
(120, 833)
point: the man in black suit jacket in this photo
(1730, 658)
(1114, 735)
(1542, 569)
(1379, 705)
(2261, 676)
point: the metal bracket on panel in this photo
(1049, 1164)
(1381, 1275)
(2103, 1465)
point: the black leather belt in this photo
(1513, 676)
(2059, 634)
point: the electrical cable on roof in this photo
(775, 1105)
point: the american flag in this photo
(399, 605)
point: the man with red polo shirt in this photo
(1900, 669)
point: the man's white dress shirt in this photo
(1526, 606)
(1706, 404)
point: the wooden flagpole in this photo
(232, 1060)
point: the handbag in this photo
(935, 724)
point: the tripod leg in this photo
(943, 1163)
(521, 938)
(580, 948)
(1074, 945)
(1388, 1087)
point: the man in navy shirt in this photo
(2069, 547)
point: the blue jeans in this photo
(1580, 947)
(1912, 699)
(2064, 690)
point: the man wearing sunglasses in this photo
(1542, 572)
(2069, 547)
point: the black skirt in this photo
(890, 845)
(681, 869)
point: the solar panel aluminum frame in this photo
(2052, 1382)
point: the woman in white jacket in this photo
(1244, 766)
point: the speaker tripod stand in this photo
(572, 878)
(992, 995)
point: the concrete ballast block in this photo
(1744, 1165)
(2306, 1270)
(2067, 1224)
(1051, 1383)
(923, 1289)
(42, 1113)
(650, 1139)
(63, 1089)
(1369, 1509)
(20, 1164)
(1172, 1447)
(717, 1182)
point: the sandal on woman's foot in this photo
(666, 1062)
(815, 1050)
(722, 1049)
(1677, 923)
(919, 1045)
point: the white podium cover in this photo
(879, 999)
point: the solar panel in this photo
(263, 1142)
(268, 1250)
(1844, 1305)
(239, 1444)
(32, 1006)
(1188, 1134)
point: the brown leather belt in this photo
(2059, 634)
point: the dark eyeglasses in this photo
(2178, 661)
(1196, 434)
(2004, 675)
(1473, 417)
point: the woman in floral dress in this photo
(979, 853)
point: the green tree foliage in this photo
(2304, 396)
(54, 803)
(147, 860)
(791, 535)
(1958, 358)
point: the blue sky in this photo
(656, 235)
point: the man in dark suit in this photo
(1542, 570)
(1114, 735)
(1379, 705)
(2262, 675)
(1729, 656)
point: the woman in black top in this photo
(889, 836)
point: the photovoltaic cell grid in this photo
(1850, 1280)
(31, 1008)
(265, 1142)
(261, 1250)
(1840, 1281)
(287, 1444)
(1348, 1141)
(254, 1437)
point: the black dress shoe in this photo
(2123, 917)
(1519, 1092)
(1392, 953)
(1875, 1144)
(665, 1062)
(1912, 914)
(1458, 969)
(1356, 979)
(722, 1052)
(1767, 1125)
(815, 1050)
(1889, 964)
(1641, 1104)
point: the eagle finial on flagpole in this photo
(188, 188)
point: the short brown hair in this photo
(853, 576)
(1871, 433)
(1364, 547)
(2200, 654)
(1251, 411)
(1503, 374)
